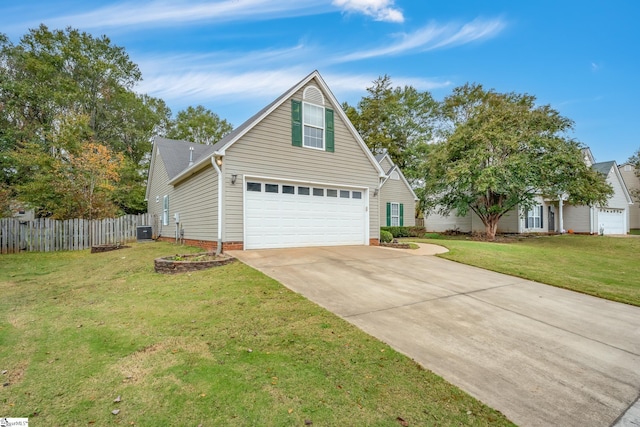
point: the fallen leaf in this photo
(308, 422)
(402, 422)
(203, 395)
(115, 411)
(4, 372)
(117, 399)
(290, 411)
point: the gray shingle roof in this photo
(175, 154)
(603, 167)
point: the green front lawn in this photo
(607, 267)
(227, 346)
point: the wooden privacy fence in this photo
(48, 235)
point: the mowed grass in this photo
(226, 346)
(606, 267)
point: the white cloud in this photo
(380, 10)
(170, 13)
(434, 36)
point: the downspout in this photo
(220, 190)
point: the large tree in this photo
(400, 120)
(53, 75)
(635, 161)
(499, 151)
(199, 125)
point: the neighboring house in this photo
(632, 181)
(555, 215)
(396, 197)
(295, 174)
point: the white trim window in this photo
(534, 217)
(165, 210)
(313, 125)
(395, 214)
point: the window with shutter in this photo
(312, 126)
(534, 217)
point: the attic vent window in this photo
(395, 175)
(313, 94)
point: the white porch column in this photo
(560, 220)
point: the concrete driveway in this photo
(543, 356)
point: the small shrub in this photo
(405, 231)
(385, 236)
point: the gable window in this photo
(534, 217)
(165, 210)
(312, 126)
(395, 214)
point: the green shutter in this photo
(329, 130)
(388, 214)
(401, 215)
(296, 123)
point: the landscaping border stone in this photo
(171, 265)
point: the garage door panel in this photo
(275, 220)
(611, 221)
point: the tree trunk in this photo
(491, 226)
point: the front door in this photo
(552, 221)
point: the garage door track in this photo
(543, 356)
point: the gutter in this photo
(220, 191)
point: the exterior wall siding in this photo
(577, 218)
(195, 200)
(397, 192)
(266, 151)
(385, 164)
(633, 184)
(439, 223)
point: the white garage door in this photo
(611, 221)
(283, 215)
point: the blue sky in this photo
(235, 56)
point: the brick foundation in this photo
(374, 242)
(208, 245)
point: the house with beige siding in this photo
(632, 182)
(396, 197)
(295, 174)
(555, 215)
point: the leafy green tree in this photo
(635, 161)
(499, 151)
(75, 179)
(199, 125)
(51, 75)
(399, 120)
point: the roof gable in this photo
(219, 148)
(394, 168)
(605, 168)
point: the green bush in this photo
(385, 236)
(405, 231)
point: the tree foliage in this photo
(199, 125)
(75, 179)
(499, 151)
(635, 161)
(52, 77)
(399, 120)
